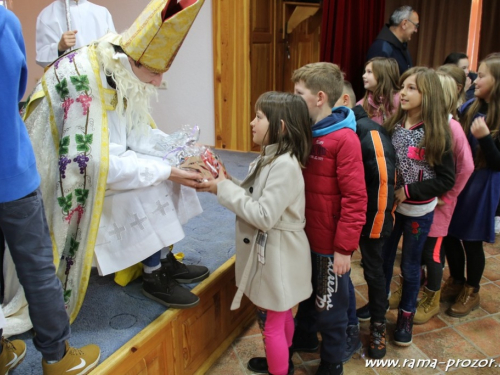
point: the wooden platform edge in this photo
(185, 341)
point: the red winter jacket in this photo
(335, 186)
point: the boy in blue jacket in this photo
(23, 225)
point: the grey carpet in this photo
(111, 315)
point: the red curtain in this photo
(348, 29)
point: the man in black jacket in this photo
(379, 160)
(392, 41)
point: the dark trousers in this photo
(326, 310)
(456, 253)
(431, 257)
(373, 270)
(23, 227)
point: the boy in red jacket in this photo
(335, 213)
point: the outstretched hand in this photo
(186, 178)
(210, 186)
(68, 40)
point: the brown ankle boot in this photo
(427, 307)
(395, 297)
(450, 290)
(466, 302)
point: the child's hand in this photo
(399, 196)
(479, 129)
(210, 186)
(341, 263)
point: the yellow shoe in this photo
(75, 361)
(13, 353)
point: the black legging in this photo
(456, 253)
(431, 257)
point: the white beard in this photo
(129, 88)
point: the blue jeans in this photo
(24, 227)
(415, 231)
(352, 318)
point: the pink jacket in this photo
(464, 166)
(379, 118)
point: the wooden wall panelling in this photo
(262, 49)
(250, 57)
(231, 73)
(303, 45)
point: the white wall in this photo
(189, 96)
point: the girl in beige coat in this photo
(273, 262)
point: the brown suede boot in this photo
(450, 290)
(395, 297)
(467, 301)
(427, 307)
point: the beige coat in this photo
(272, 201)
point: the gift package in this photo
(187, 154)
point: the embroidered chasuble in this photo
(85, 216)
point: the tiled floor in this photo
(443, 338)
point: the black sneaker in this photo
(305, 341)
(353, 342)
(363, 313)
(259, 365)
(376, 348)
(160, 287)
(327, 368)
(404, 327)
(184, 274)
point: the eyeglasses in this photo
(417, 25)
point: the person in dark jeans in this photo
(23, 226)
(379, 163)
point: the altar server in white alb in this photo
(88, 22)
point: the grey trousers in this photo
(23, 227)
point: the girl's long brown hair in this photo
(386, 72)
(296, 136)
(492, 119)
(437, 139)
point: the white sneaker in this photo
(497, 224)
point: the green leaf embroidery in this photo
(67, 295)
(81, 83)
(65, 202)
(64, 145)
(73, 247)
(62, 88)
(81, 195)
(83, 142)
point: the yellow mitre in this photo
(157, 34)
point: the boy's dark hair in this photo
(294, 135)
(454, 58)
(321, 76)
